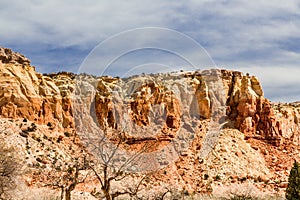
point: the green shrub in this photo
(217, 178)
(243, 179)
(206, 176)
(32, 128)
(67, 134)
(293, 189)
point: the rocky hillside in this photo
(225, 131)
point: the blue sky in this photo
(259, 37)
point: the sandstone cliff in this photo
(46, 99)
(185, 109)
(24, 93)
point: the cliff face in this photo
(287, 118)
(256, 117)
(24, 93)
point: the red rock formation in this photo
(254, 115)
(27, 94)
(138, 105)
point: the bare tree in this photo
(66, 175)
(112, 168)
(8, 170)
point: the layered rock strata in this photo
(47, 99)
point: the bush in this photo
(238, 191)
(49, 124)
(8, 170)
(67, 134)
(293, 189)
(32, 128)
(217, 178)
(206, 176)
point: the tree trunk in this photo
(68, 194)
(108, 197)
(72, 186)
(62, 193)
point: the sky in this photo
(259, 37)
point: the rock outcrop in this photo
(46, 99)
(255, 116)
(287, 117)
(24, 93)
(8, 56)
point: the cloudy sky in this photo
(259, 37)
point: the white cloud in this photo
(241, 33)
(78, 22)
